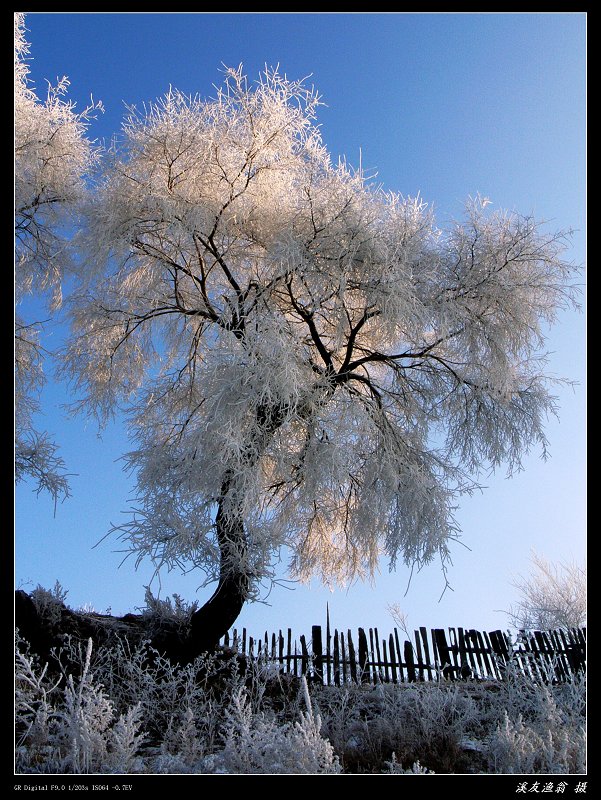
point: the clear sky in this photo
(447, 105)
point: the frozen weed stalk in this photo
(129, 710)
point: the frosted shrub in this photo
(177, 611)
(49, 603)
(125, 709)
(70, 729)
(428, 710)
(393, 767)
(541, 728)
(258, 744)
(477, 727)
(413, 721)
(85, 721)
(182, 741)
(139, 675)
(125, 741)
(516, 747)
(342, 723)
(35, 716)
(551, 596)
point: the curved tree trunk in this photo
(219, 613)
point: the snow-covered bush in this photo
(426, 722)
(458, 727)
(126, 708)
(36, 745)
(164, 692)
(257, 743)
(541, 727)
(177, 611)
(518, 747)
(73, 730)
(393, 767)
(50, 602)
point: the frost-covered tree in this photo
(551, 596)
(52, 155)
(307, 362)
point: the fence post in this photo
(424, 635)
(343, 660)
(328, 658)
(392, 658)
(444, 653)
(378, 657)
(399, 655)
(364, 669)
(418, 653)
(317, 652)
(305, 658)
(351, 656)
(336, 659)
(411, 676)
(289, 652)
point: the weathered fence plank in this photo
(495, 672)
(476, 653)
(352, 658)
(410, 663)
(542, 656)
(336, 659)
(305, 656)
(392, 659)
(328, 677)
(363, 656)
(420, 660)
(399, 655)
(386, 663)
(424, 635)
(317, 653)
(372, 653)
(454, 648)
(378, 656)
(289, 650)
(463, 652)
(444, 654)
(486, 650)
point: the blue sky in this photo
(447, 105)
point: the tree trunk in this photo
(219, 613)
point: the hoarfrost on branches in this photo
(52, 156)
(552, 596)
(255, 744)
(305, 359)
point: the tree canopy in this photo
(306, 361)
(52, 158)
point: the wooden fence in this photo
(455, 654)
